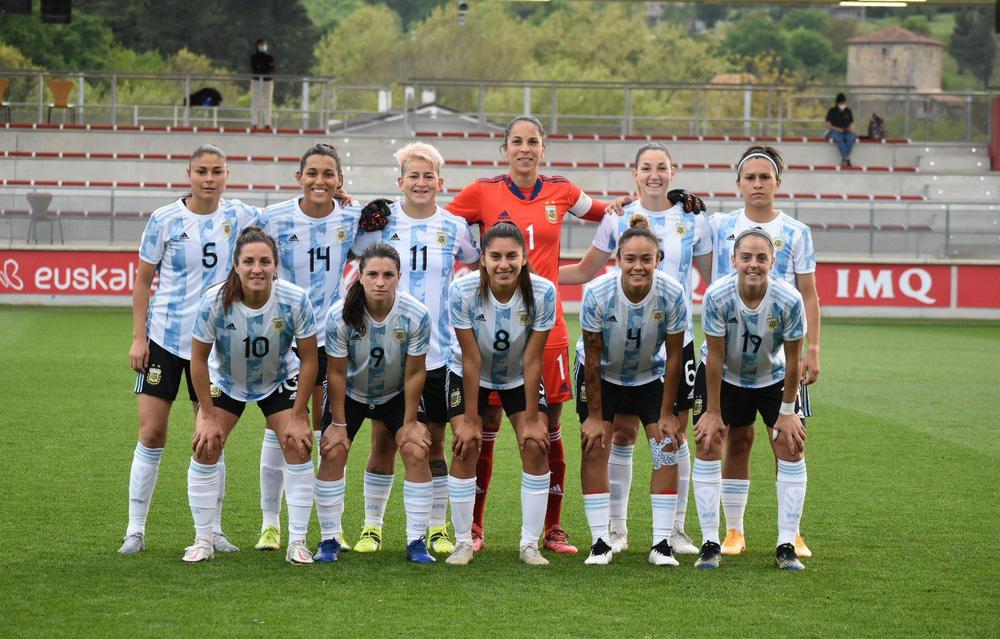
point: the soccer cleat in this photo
(221, 544)
(416, 551)
(531, 556)
(784, 558)
(202, 550)
(370, 539)
(734, 543)
(478, 538)
(462, 554)
(133, 544)
(600, 554)
(344, 546)
(439, 541)
(681, 544)
(298, 553)
(556, 540)
(662, 555)
(328, 551)
(270, 539)
(710, 555)
(801, 549)
(618, 539)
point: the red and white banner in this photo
(874, 285)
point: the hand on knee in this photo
(414, 454)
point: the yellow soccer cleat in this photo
(270, 539)
(734, 543)
(439, 541)
(801, 549)
(370, 540)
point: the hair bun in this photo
(638, 221)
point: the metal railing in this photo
(319, 102)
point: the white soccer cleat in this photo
(202, 550)
(221, 544)
(462, 554)
(662, 555)
(532, 556)
(681, 544)
(600, 554)
(133, 544)
(618, 539)
(298, 553)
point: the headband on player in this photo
(759, 155)
(759, 232)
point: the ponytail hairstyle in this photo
(768, 153)
(321, 149)
(508, 230)
(354, 301)
(232, 289)
(638, 226)
(521, 118)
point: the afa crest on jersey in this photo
(779, 243)
(227, 228)
(551, 214)
(399, 334)
(772, 324)
(154, 376)
(442, 239)
(341, 234)
(522, 318)
(680, 229)
(279, 324)
(658, 316)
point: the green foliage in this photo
(810, 50)
(755, 34)
(327, 15)
(813, 19)
(366, 48)
(973, 43)
(80, 45)
(918, 24)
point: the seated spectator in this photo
(839, 121)
(876, 128)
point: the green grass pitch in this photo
(903, 461)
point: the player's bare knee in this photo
(414, 454)
(740, 441)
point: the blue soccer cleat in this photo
(416, 551)
(329, 550)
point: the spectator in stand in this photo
(839, 121)
(261, 86)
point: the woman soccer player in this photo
(502, 317)
(758, 179)
(315, 234)
(627, 318)
(190, 243)
(754, 327)
(430, 240)
(249, 324)
(685, 239)
(377, 338)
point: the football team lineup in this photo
(249, 304)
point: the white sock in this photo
(272, 478)
(317, 436)
(462, 495)
(791, 485)
(534, 501)
(377, 491)
(203, 495)
(734, 501)
(330, 506)
(683, 482)
(141, 482)
(417, 499)
(664, 510)
(299, 490)
(439, 507)
(597, 506)
(221, 465)
(707, 479)
(620, 474)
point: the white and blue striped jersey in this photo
(634, 334)
(502, 330)
(755, 338)
(682, 237)
(427, 249)
(793, 245)
(192, 252)
(252, 347)
(376, 361)
(312, 252)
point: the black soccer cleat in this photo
(710, 555)
(786, 559)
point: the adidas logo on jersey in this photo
(184, 236)
(480, 318)
(732, 320)
(230, 326)
(356, 336)
(293, 238)
(613, 319)
(731, 237)
(395, 236)
(504, 215)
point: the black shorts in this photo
(739, 405)
(321, 360)
(434, 400)
(162, 377)
(389, 413)
(643, 401)
(803, 407)
(685, 385)
(282, 398)
(512, 399)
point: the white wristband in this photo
(787, 408)
(344, 425)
